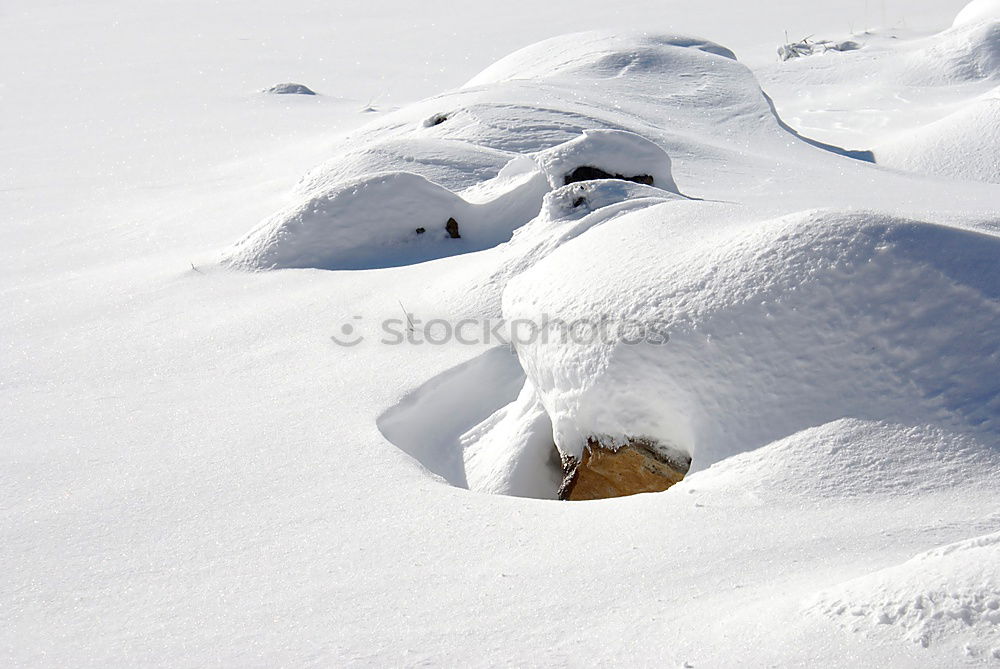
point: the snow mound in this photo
(581, 106)
(968, 52)
(897, 85)
(853, 458)
(454, 164)
(617, 153)
(963, 145)
(370, 222)
(399, 218)
(946, 596)
(565, 206)
(774, 327)
(978, 10)
(663, 88)
(290, 89)
(601, 53)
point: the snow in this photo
(430, 424)
(898, 84)
(773, 327)
(851, 458)
(290, 89)
(387, 219)
(612, 151)
(192, 472)
(511, 452)
(978, 10)
(964, 145)
(595, 52)
(949, 594)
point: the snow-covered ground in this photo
(192, 471)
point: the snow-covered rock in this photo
(773, 326)
(386, 220)
(623, 155)
(606, 104)
(290, 89)
(399, 218)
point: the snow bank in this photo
(946, 596)
(371, 222)
(399, 218)
(774, 327)
(968, 52)
(978, 10)
(610, 104)
(895, 85)
(853, 458)
(596, 52)
(962, 145)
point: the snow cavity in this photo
(428, 422)
(479, 426)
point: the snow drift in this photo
(949, 595)
(399, 218)
(966, 52)
(978, 10)
(612, 105)
(850, 459)
(962, 145)
(925, 104)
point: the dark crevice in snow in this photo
(436, 119)
(589, 173)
